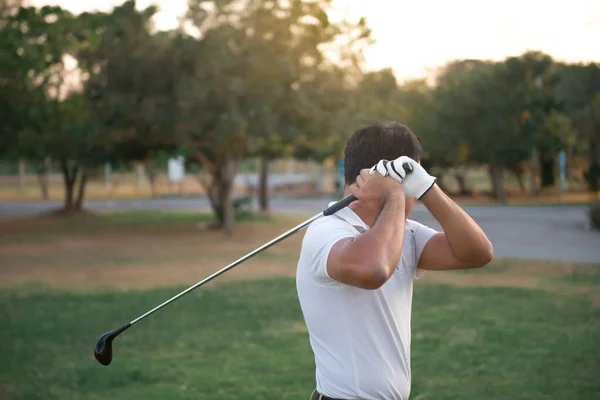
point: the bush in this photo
(594, 214)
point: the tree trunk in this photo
(518, 171)
(43, 180)
(534, 173)
(22, 174)
(592, 175)
(521, 178)
(440, 174)
(152, 175)
(43, 174)
(461, 179)
(220, 194)
(69, 177)
(68, 195)
(226, 186)
(496, 176)
(263, 191)
(548, 173)
(139, 176)
(214, 197)
(81, 191)
(228, 209)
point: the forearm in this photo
(466, 239)
(388, 232)
(381, 246)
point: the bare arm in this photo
(369, 260)
(462, 245)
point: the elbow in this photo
(483, 255)
(477, 256)
(376, 276)
(487, 253)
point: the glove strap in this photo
(428, 189)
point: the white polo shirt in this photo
(360, 338)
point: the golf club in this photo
(103, 349)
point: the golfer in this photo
(356, 268)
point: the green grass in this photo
(120, 220)
(580, 276)
(244, 340)
(496, 266)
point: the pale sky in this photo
(413, 37)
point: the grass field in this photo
(512, 330)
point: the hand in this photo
(416, 183)
(373, 189)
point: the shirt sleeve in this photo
(422, 234)
(320, 237)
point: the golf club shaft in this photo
(232, 265)
(330, 210)
(103, 348)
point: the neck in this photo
(366, 217)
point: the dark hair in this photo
(383, 140)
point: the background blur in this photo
(145, 145)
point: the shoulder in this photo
(413, 225)
(421, 234)
(325, 228)
(416, 227)
(319, 239)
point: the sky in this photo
(414, 37)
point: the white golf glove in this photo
(416, 182)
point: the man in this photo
(356, 267)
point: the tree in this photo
(131, 85)
(499, 112)
(35, 46)
(444, 152)
(534, 75)
(211, 123)
(593, 173)
(244, 96)
(578, 90)
(290, 36)
(8, 8)
(116, 111)
(474, 107)
(78, 148)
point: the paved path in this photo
(546, 233)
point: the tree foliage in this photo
(268, 79)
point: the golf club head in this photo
(103, 349)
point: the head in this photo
(381, 140)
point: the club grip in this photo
(407, 167)
(345, 202)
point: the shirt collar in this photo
(351, 217)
